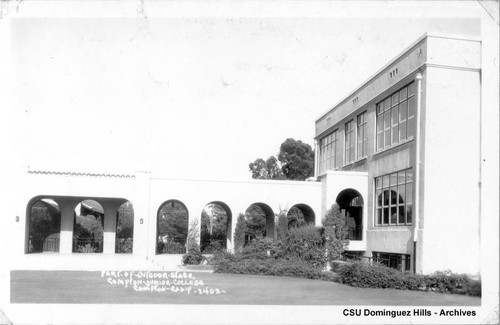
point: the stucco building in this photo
(400, 155)
(406, 144)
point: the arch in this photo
(43, 224)
(88, 230)
(300, 214)
(260, 221)
(172, 227)
(351, 204)
(215, 228)
(391, 207)
(124, 241)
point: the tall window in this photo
(394, 193)
(349, 142)
(361, 131)
(396, 117)
(328, 157)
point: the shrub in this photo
(448, 282)
(282, 227)
(193, 236)
(262, 248)
(336, 232)
(173, 248)
(193, 257)
(217, 257)
(275, 267)
(239, 233)
(360, 274)
(124, 245)
(306, 243)
(213, 246)
(88, 248)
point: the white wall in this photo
(335, 182)
(450, 219)
(147, 194)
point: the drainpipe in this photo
(418, 78)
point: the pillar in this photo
(109, 236)
(316, 159)
(67, 207)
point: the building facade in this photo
(400, 156)
(406, 145)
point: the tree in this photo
(297, 159)
(239, 233)
(295, 218)
(125, 221)
(269, 169)
(255, 219)
(282, 227)
(45, 220)
(214, 224)
(173, 221)
(336, 232)
(295, 162)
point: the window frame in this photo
(361, 139)
(392, 116)
(388, 258)
(349, 142)
(328, 147)
(385, 188)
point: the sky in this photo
(189, 97)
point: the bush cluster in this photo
(173, 248)
(124, 245)
(359, 274)
(275, 267)
(306, 244)
(87, 248)
(193, 257)
(446, 281)
(262, 248)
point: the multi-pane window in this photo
(395, 261)
(361, 131)
(349, 142)
(394, 197)
(396, 117)
(328, 156)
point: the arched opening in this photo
(259, 218)
(351, 205)
(172, 228)
(88, 231)
(300, 215)
(125, 229)
(215, 227)
(44, 223)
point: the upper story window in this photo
(394, 197)
(361, 136)
(396, 117)
(349, 142)
(328, 152)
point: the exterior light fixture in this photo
(17, 218)
(141, 221)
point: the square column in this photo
(109, 235)
(67, 225)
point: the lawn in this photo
(91, 287)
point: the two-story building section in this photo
(401, 157)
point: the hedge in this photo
(359, 274)
(274, 267)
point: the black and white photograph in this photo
(249, 162)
